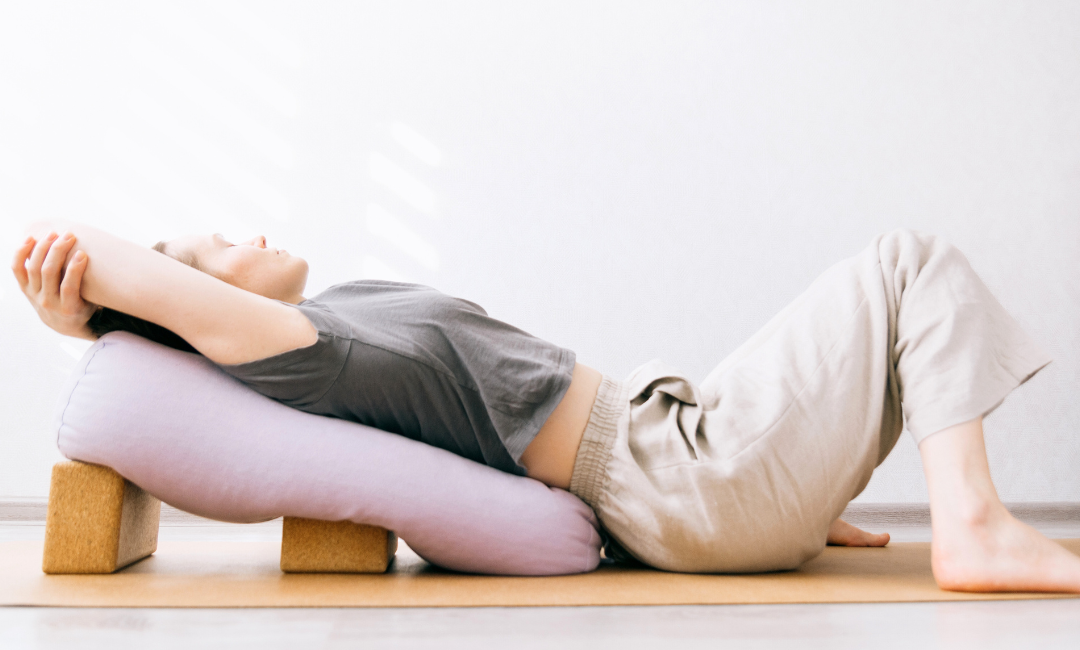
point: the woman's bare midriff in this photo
(550, 456)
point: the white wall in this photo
(629, 180)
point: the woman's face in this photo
(250, 265)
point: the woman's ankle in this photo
(958, 477)
(969, 509)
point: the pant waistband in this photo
(590, 466)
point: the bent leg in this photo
(749, 472)
(977, 544)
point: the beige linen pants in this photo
(746, 472)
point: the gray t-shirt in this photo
(411, 360)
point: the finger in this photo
(869, 539)
(70, 299)
(854, 536)
(18, 263)
(33, 268)
(51, 268)
(872, 539)
(841, 533)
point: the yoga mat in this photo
(245, 574)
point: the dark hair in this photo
(107, 320)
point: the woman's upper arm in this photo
(226, 324)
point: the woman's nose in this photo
(259, 241)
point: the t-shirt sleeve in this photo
(301, 377)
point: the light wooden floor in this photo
(914, 626)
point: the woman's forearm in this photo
(116, 277)
(223, 322)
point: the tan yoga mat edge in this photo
(246, 574)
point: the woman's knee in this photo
(909, 252)
(910, 241)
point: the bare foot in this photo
(991, 550)
(841, 533)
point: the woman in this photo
(748, 472)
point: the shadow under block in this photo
(97, 522)
(313, 546)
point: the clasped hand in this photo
(52, 282)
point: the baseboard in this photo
(16, 509)
(918, 514)
(32, 510)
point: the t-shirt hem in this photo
(520, 441)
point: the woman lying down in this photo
(748, 471)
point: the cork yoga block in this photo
(97, 522)
(313, 546)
